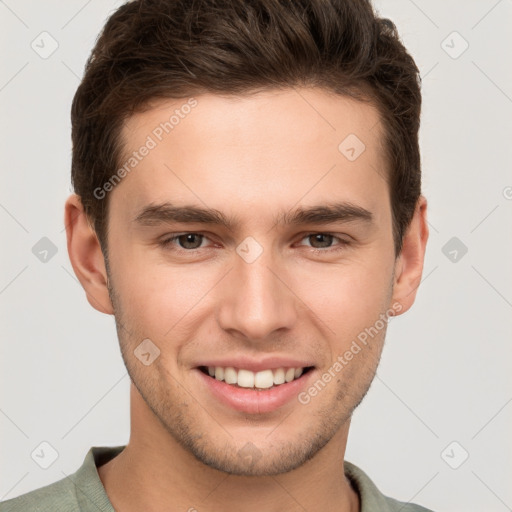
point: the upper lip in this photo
(257, 365)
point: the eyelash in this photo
(328, 250)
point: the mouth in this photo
(259, 388)
(263, 380)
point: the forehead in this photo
(256, 151)
(264, 119)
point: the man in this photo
(248, 205)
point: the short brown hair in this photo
(152, 49)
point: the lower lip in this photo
(254, 401)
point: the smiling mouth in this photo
(259, 381)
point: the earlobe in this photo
(86, 256)
(409, 265)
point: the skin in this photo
(251, 156)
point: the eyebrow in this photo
(339, 212)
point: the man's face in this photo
(254, 295)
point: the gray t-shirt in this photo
(83, 491)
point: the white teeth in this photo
(245, 379)
(288, 376)
(279, 376)
(264, 379)
(230, 375)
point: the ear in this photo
(86, 256)
(409, 264)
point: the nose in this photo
(256, 300)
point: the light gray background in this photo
(445, 372)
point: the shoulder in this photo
(400, 506)
(60, 495)
(372, 500)
(78, 492)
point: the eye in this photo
(324, 242)
(188, 242)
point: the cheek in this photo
(347, 298)
(160, 299)
(157, 297)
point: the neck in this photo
(154, 472)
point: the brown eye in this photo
(321, 243)
(324, 240)
(184, 242)
(190, 240)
